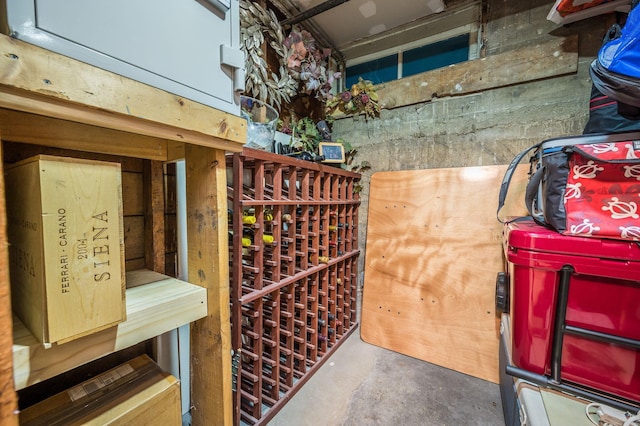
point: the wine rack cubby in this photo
(293, 228)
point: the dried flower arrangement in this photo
(361, 98)
(309, 64)
(303, 65)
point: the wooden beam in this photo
(23, 127)
(208, 266)
(8, 401)
(154, 247)
(39, 81)
(550, 59)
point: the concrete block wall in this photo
(487, 128)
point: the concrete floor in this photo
(362, 384)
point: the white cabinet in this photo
(186, 47)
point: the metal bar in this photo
(310, 13)
(559, 326)
(544, 381)
(603, 337)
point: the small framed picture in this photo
(333, 152)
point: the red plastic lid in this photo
(528, 235)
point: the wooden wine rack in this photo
(293, 266)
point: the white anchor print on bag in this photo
(630, 232)
(621, 210)
(631, 152)
(601, 148)
(586, 171)
(632, 172)
(586, 228)
(572, 191)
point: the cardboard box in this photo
(137, 392)
(66, 246)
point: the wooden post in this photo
(154, 216)
(8, 403)
(208, 258)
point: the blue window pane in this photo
(436, 55)
(378, 71)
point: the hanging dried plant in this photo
(261, 83)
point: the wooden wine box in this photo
(66, 246)
(137, 392)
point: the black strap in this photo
(532, 189)
(506, 180)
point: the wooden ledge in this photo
(545, 60)
(155, 304)
(39, 81)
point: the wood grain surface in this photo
(41, 82)
(550, 59)
(8, 401)
(433, 251)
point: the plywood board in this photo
(432, 254)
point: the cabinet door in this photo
(174, 45)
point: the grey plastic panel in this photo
(174, 45)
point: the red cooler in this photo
(575, 308)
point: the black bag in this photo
(604, 116)
(616, 70)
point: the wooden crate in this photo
(66, 246)
(136, 392)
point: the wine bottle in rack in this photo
(268, 239)
(248, 220)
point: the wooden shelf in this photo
(156, 304)
(47, 99)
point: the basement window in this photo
(410, 62)
(435, 43)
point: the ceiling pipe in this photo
(316, 10)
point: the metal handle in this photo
(221, 5)
(234, 58)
